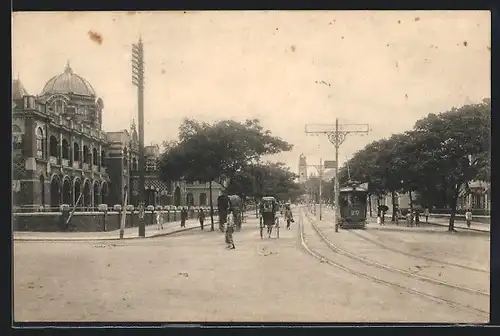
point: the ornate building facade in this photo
(61, 155)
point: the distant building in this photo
(302, 169)
(61, 155)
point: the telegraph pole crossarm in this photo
(336, 135)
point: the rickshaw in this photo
(233, 202)
(268, 209)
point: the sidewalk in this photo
(129, 233)
(439, 221)
(436, 221)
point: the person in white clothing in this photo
(159, 222)
(230, 230)
(468, 217)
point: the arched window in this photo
(65, 149)
(103, 156)
(76, 152)
(95, 159)
(86, 154)
(40, 143)
(53, 146)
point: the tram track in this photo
(436, 291)
(389, 248)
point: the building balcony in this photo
(102, 170)
(95, 169)
(76, 164)
(53, 160)
(65, 162)
(86, 166)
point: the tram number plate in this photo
(354, 212)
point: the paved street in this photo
(191, 276)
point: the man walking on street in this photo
(468, 217)
(288, 216)
(184, 215)
(426, 214)
(159, 221)
(230, 230)
(201, 217)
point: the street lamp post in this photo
(337, 136)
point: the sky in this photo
(386, 69)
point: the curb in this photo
(161, 234)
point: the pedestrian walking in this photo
(396, 216)
(426, 214)
(468, 217)
(201, 217)
(159, 222)
(230, 230)
(379, 220)
(417, 218)
(288, 217)
(408, 219)
(184, 215)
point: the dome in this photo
(68, 82)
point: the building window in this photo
(103, 156)
(76, 152)
(151, 164)
(40, 143)
(65, 149)
(95, 159)
(53, 146)
(86, 154)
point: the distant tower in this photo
(302, 169)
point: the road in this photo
(191, 276)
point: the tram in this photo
(233, 202)
(352, 207)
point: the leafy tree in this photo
(261, 179)
(453, 149)
(217, 152)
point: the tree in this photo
(261, 179)
(217, 152)
(453, 149)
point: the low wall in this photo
(90, 221)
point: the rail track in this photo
(380, 244)
(383, 274)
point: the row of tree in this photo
(437, 159)
(229, 153)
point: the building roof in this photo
(68, 82)
(18, 90)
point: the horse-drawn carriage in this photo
(268, 218)
(233, 202)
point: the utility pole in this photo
(337, 134)
(138, 80)
(321, 170)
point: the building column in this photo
(60, 147)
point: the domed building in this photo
(61, 154)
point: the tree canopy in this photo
(437, 158)
(217, 152)
(265, 179)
